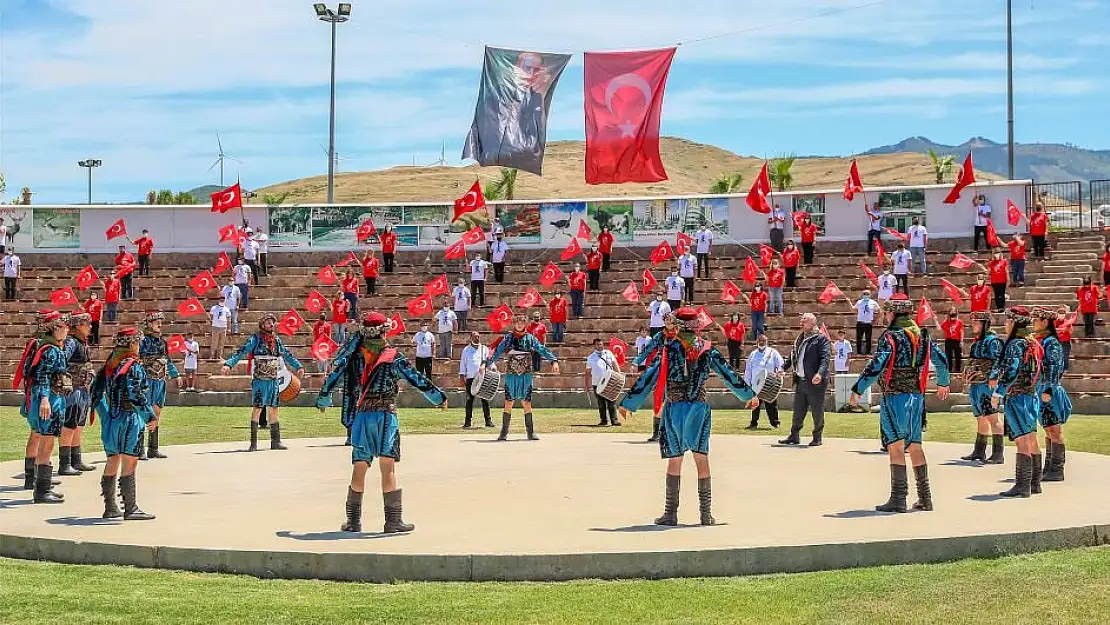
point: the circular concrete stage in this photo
(569, 506)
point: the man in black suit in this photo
(810, 362)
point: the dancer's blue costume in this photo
(81, 371)
(121, 395)
(43, 369)
(518, 378)
(264, 392)
(1018, 371)
(152, 347)
(1057, 410)
(984, 353)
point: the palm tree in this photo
(165, 196)
(727, 183)
(942, 165)
(780, 174)
(152, 197)
(504, 188)
(274, 199)
(182, 198)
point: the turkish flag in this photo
(729, 292)
(854, 183)
(1013, 213)
(63, 297)
(315, 302)
(766, 255)
(584, 231)
(471, 201)
(456, 250)
(761, 188)
(550, 275)
(624, 103)
(324, 348)
(290, 323)
(620, 350)
(530, 298)
(630, 293)
(924, 313)
(420, 306)
(662, 253)
(798, 218)
(992, 234)
(573, 249)
(751, 272)
(682, 243)
(327, 275)
(880, 254)
(190, 307)
(437, 286)
(898, 235)
(649, 281)
(959, 261)
(473, 236)
(500, 318)
(125, 269)
(202, 283)
(704, 318)
(223, 263)
(229, 198)
(115, 230)
(870, 274)
(351, 259)
(366, 230)
(86, 277)
(830, 293)
(967, 178)
(175, 344)
(953, 292)
(229, 233)
(397, 325)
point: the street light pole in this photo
(88, 164)
(1010, 83)
(333, 18)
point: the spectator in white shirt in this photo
(704, 239)
(688, 270)
(242, 273)
(886, 285)
(598, 363)
(658, 310)
(220, 315)
(473, 355)
(768, 359)
(478, 270)
(919, 239)
(495, 229)
(982, 216)
(250, 254)
(777, 221)
(232, 297)
(12, 270)
(641, 345)
(3, 236)
(461, 297)
(425, 343)
(192, 351)
(676, 288)
(902, 261)
(842, 353)
(446, 326)
(866, 309)
(263, 241)
(875, 228)
(498, 249)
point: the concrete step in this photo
(1072, 282)
(1074, 256)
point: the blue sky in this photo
(145, 86)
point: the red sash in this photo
(386, 356)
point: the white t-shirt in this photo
(263, 243)
(495, 230)
(658, 311)
(472, 358)
(424, 342)
(917, 236)
(242, 274)
(642, 343)
(687, 265)
(462, 298)
(842, 351)
(877, 220)
(778, 217)
(887, 282)
(676, 287)
(478, 269)
(902, 261)
(250, 250)
(11, 266)
(446, 320)
(982, 214)
(220, 314)
(599, 363)
(498, 251)
(767, 359)
(192, 348)
(232, 295)
(705, 240)
(3, 234)
(865, 310)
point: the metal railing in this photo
(1063, 201)
(1100, 203)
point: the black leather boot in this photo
(254, 437)
(44, 490)
(131, 511)
(670, 505)
(153, 446)
(111, 502)
(76, 462)
(393, 517)
(142, 445)
(29, 473)
(1023, 477)
(924, 493)
(275, 436)
(1055, 471)
(64, 459)
(354, 512)
(489, 421)
(705, 500)
(654, 431)
(997, 447)
(529, 427)
(899, 489)
(505, 418)
(980, 452)
(1035, 477)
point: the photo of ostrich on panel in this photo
(560, 221)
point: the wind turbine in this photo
(442, 157)
(337, 157)
(221, 157)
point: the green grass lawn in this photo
(183, 425)
(1057, 588)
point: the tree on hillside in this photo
(168, 197)
(942, 165)
(274, 199)
(727, 183)
(779, 172)
(182, 198)
(504, 188)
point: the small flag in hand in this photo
(620, 350)
(959, 261)
(437, 286)
(315, 302)
(870, 274)
(854, 184)
(649, 281)
(880, 254)
(63, 297)
(830, 293)
(584, 231)
(500, 318)
(473, 236)
(662, 253)
(351, 259)
(471, 201)
(682, 243)
(190, 307)
(202, 283)
(798, 218)
(324, 348)
(898, 235)
(175, 344)
(761, 187)
(729, 292)
(925, 312)
(630, 293)
(223, 263)
(327, 275)
(420, 306)
(456, 250)
(550, 275)
(992, 235)
(953, 292)
(967, 178)
(290, 323)
(117, 229)
(573, 249)
(366, 230)
(530, 298)
(751, 272)
(704, 319)
(227, 199)
(229, 233)
(397, 325)
(766, 255)
(1013, 213)
(86, 277)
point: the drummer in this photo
(764, 364)
(601, 364)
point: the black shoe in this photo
(615, 422)
(28, 474)
(467, 425)
(790, 440)
(815, 442)
(1035, 478)
(505, 419)
(64, 467)
(924, 492)
(529, 427)
(997, 454)
(489, 422)
(44, 490)
(705, 501)
(254, 436)
(142, 445)
(752, 427)
(111, 501)
(602, 424)
(1023, 476)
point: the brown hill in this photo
(692, 167)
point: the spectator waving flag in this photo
(830, 293)
(1013, 213)
(620, 351)
(550, 275)
(649, 281)
(117, 229)
(966, 179)
(573, 249)
(729, 292)
(86, 277)
(854, 184)
(630, 293)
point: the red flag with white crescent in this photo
(924, 313)
(959, 261)
(572, 249)
(327, 275)
(766, 255)
(830, 293)
(898, 235)
(500, 318)
(471, 201)
(223, 263)
(437, 286)
(649, 281)
(530, 298)
(662, 253)
(350, 260)
(992, 235)
(229, 233)
(227, 199)
(175, 344)
(880, 254)
(854, 184)
(620, 350)
(324, 348)
(456, 250)
(396, 326)
(729, 292)
(202, 283)
(966, 179)
(751, 272)
(870, 274)
(86, 277)
(1013, 213)
(366, 230)
(420, 306)
(550, 275)
(190, 308)
(630, 293)
(315, 302)
(704, 318)
(290, 323)
(473, 236)
(118, 229)
(63, 297)
(761, 188)
(952, 291)
(682, 243)
(584, 231)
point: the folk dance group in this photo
(1014, 384)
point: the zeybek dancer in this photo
(901, 366)
(681, 362)
(43, 374)
(158, 366)
(1056, 405)
(81, 371)
(984, 352)
(121, 395)
(1018, 371)
(262, 350)
(520, 347)
(369, 369)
